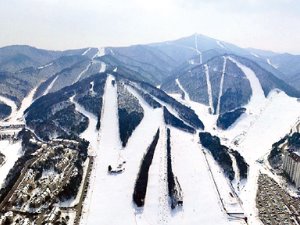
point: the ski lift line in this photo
(216, 187)
(213, 179)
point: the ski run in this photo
(206, 198)
(111, 194)
(83, 72)
(186, 95)
(17, 114)
(209, 91)
(50, 85)
(86, 51)
(267, 120)
(221, 85)
(220, 44)
(197, 50)
(271, 64)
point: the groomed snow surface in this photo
(266, 120)
(109, 199)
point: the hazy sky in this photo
(64, 24)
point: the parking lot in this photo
(276, 206)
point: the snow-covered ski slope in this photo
(17, 115)
(109, 199)
(50, 86)
(266, 120)
(209, 91)
(221, 84)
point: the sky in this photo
(68, 24)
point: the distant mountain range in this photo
(157, 127)
(185, 63)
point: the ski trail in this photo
(221, 85)
(27, 101)
(156, 202)
(50, 86)
(257, 99)
(142, 137)
(220, 44)
(197, 50)
(92, 151)
(45, 66)
(102, 67)
(86, 51)
(100, 52)
(186, 95)
(90, 132)
(255, 55)
(103, 196)
(201, 202)
(83, 72)
(271, 64)
(10, 103)
(209, 91)
(163, 186)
